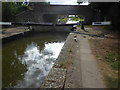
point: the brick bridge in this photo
(49, 13)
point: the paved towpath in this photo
(78, 64)
(90, 73)
(85, 72)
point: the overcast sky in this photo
(68, 2)
(61, 1)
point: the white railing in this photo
(5, 23)
(101, 23)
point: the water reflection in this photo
(17, 58)
(38, 62)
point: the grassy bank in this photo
(108, 62)
(107, 55)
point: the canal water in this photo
(28, 60)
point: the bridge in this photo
(50, 13)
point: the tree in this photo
(10, 9)
(109, 11)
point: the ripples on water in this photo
(38, 62)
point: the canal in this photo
(27, 61)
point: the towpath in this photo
(7, 32)
(78, 65)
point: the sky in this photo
(68, 2)
(61, 0)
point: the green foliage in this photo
(63, 19)
(10, 9)
(76, 18)
(112, 59)
(21, 8)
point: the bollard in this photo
(82, 26)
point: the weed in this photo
(70, 51)
(65, 64)
(78, 26)
(112, 59)
(111, 82)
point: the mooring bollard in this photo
(74, 28)
(82, 26)
(75, 38)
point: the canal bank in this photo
(10, 34)
(76, 66)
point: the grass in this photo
(111, 82)
(108, 57)
(100, 26)
(113, 59)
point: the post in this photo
(82, 26)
